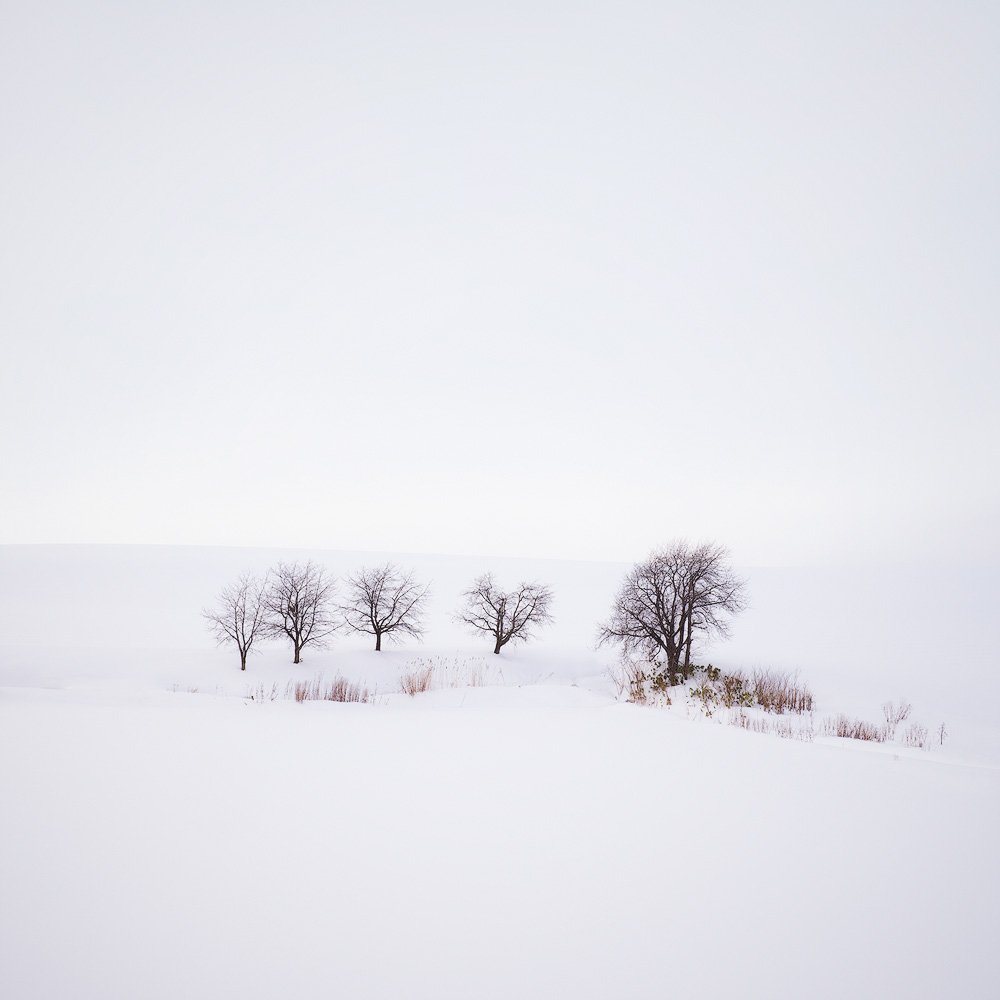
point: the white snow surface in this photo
(165, 836)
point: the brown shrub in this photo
(779, 692)
(339, 689)
(734, 689)
(853, 729)
(417, 681)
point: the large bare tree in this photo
(299, 604)
(384, 601)
(665, 601)
(506, 617)
(240, 615)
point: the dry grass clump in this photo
(853, 729)
(417, 681)
(710, 689)
(706, 697)
(916, 734)
(769, 690)
(779, 692)
(318, 689)
(734, 689)
(639, 683)
(789, 730)
(786, 729)
(430, 673)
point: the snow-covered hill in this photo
(164, 835)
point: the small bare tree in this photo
(299, 605)
(507, 617)
(240, 616)
(384, 601)
(667, 600)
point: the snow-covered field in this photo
(164, 835)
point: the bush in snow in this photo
(895, 714)
(779, 692)
(339, 689)
(417, 681)
(769, 690)
(853, 729)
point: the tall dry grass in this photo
(778, 692)
(428, 673)
(853, 729)
(319, 689)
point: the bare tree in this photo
(667, 600)
(507, 617)
(240, 616)
(384, 601)
(300, 605)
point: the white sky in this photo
(562, 279)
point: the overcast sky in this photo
(551, 279)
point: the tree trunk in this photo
(298, 649)
(243, 660)
(673, 660)
(496, 649)
(378, 642)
